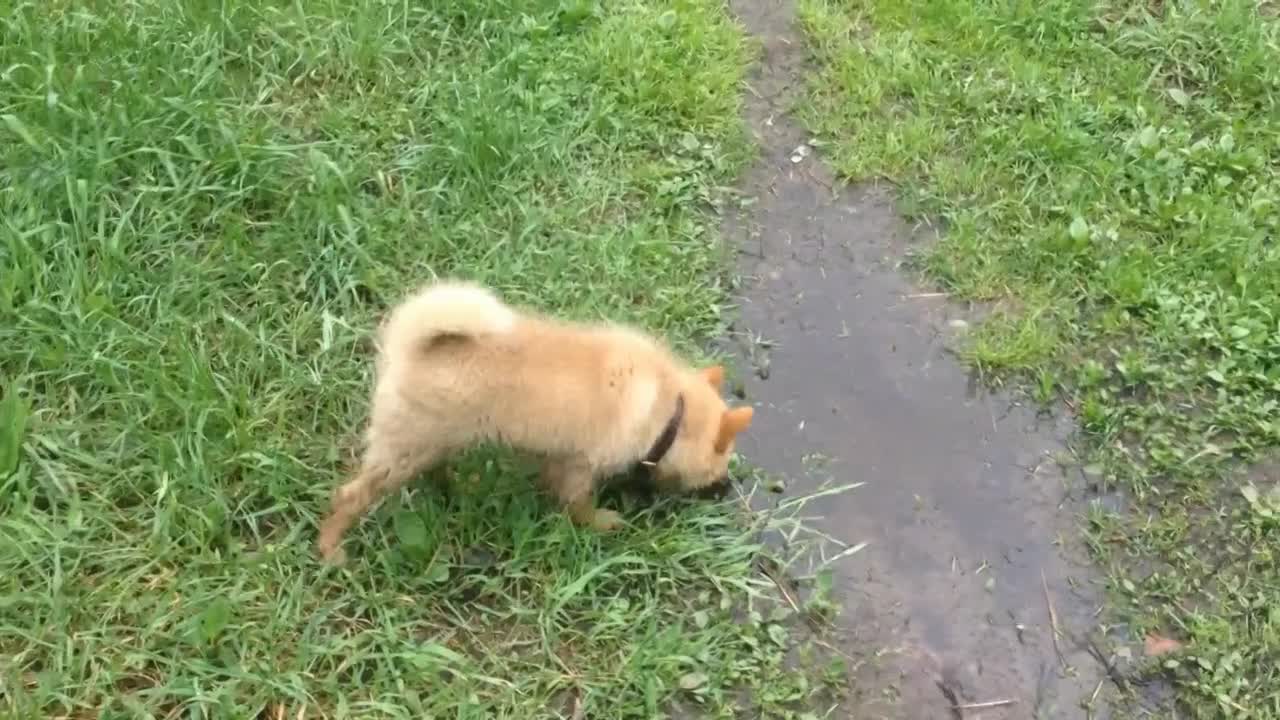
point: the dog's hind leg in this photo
(385, 468)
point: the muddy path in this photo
(972, 528)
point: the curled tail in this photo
(446, 308)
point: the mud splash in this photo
(971, 526)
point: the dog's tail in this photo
(446, 308)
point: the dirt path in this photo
(963, 506)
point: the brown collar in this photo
(667, 438)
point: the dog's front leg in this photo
(573, 482)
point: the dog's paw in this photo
(606, 520)
(331, 552)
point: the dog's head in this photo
(699, 457)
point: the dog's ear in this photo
(713, 375)
(731, 423)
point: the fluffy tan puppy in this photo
(456, 366)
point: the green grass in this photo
(1109, 177)
(204, 207)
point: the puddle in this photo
(970, 523)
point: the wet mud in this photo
(972, 525)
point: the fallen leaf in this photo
(692, 681)
(1157, 645)
(1079, 229)
(438, 573)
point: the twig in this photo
(830, 188)
(1113, 672)
(578, 712)
(828, 646)
(761, 563)
(985, 705)
(764, 568)
(1096, 691)
(951, 697)
(1053, 620)
(916, 296)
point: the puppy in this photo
(456, 366)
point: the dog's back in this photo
(458, 359)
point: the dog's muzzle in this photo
(716, 490)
